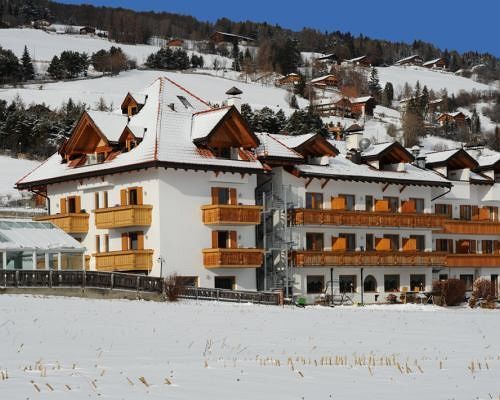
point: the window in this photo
(314, 241)
(466, 212)
(132, 197)
(97, 244)
(394, 239)
(419, 242)
(315, 284)
(185, 102)
(417, 282)
(72, 205)
(106, 243)
(443, 209)
(189, 281)
(419, 205)
(134, 241)
(221, 195)
(369, 203)
(370, 284)
(370, 242)
(393, 203)
(96, 200)
(444, 245)
(224, 239)
(443, 277)
(468, 279)
(105, 199)
(350, 240)
(314, 201)
(487, 247)
(347, 283)
(224, 282)
(492, 213)
(350, 201)
(465, 246)
(391, 283)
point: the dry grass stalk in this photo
(144, 381)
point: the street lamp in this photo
(161, 260)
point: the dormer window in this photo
(230, 153)
(95, 158)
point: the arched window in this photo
(370, 284)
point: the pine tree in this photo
(475, 123)
(27, 66)
(388, 94)
(55, 69)
(235, 54)
(374, 83)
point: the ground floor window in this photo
(189, 281)
(224, 282)
(19, 260)
(468, 279)
(391, 283)
(315, 284)
(40, 261)
(417, 282)
(370, 284)
(443, 277)
(347, 283)
(71, 261)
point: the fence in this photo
(132, 282)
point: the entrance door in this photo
(224, 282)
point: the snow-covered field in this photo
(12, 169)
(59, 348)
(113, 90)
(435, 80)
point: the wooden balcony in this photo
(225, 214)
(303, 216)
(126, 260)
(306, 258)
(473, 260)
(232, 258)
(68, 222)
(123, 216)
(471, 227)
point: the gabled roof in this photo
(488, 162)
(358, 100)
(390, 152)
(430, 62)
(356, 59)
(272, 148)
(412, 57)
(111, 124)
(204, 122)
(454, 159)
(321, 78)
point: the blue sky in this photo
(461, 25)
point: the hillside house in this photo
(458, 119)
(175, 43)
(291, 80)
(325, 81)
(437, 63)
(362, 106)
(411, 60)
(362, 61)
(218, 37)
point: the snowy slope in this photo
(11, 170)
(435, 80)
(81, 349)
(44, 45)
(114, 89)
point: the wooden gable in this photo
(130, 104)
(86, 138)
(317, 146)
(461, 160)
(393, 154)
(231, 131)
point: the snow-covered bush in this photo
(450, 292)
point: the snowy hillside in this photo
(60, 348)
(435, 80)
(114, 89)
(11, 170)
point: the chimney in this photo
(352, 140)
(234, 97)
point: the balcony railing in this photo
(68, 222)
(473, 260)
(457, 226)
(307, 258)
(225, 214)
(126, 260)
(123, 216)
(303, 216)
(232, 258)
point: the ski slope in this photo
(11, 170)
(60, 348)
(435, 80)
(114, 89)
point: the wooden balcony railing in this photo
(471, 227)
(126, 260)
(225, 214)
(68, 222)
(123, 216)
(473, 260)
(303, 216)
(232, 258)
(306, 258)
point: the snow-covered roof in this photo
(430, 62)
(294, 141)
(440, 156)
(403, 60)
(167, 118)
(342, 168)
(140, 98)
(111, 124)
(272, 146)
(205, 121)
(29, 235)
(353, 60)
(486, 160)
(320, 78)
(360, 99)
(376, 149)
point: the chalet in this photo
(411, 60)
(225, 37)
(455, 118)
(362, 61)
(438, 63)
(435, 105)
(328, 58)
(362, 106)
(40, 24)
(325, 81)
(175, 43)
(289, 80)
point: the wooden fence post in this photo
(112, 279)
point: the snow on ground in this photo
(42, 46)
(113, 89)
(436, 143)
(435, 80)
(11, 170)
(487, 125)
(59, 348)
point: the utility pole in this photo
(264, 241)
